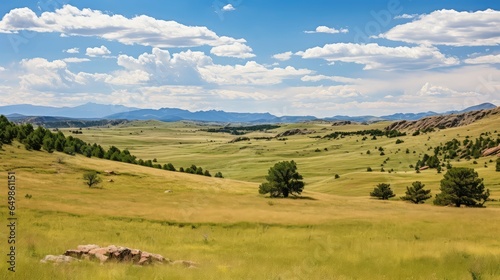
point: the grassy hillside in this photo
(334, 232)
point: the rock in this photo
(168, 191)
(112, 253)
(110, 180)
(444, 121)
(109, 172)
(295, 131)
(424, 168)
(491, 151)
(87, 248)
(145, 258)
(58, 259)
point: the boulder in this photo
(112, 253)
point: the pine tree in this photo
(416, 193)
(382, 191)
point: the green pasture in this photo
(334, 231)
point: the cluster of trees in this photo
(193, 169)
(370, 132)
(467, 148)
(240, 130)
(460, 186)
(430, 161)
(41, 138)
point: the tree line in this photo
(41, 138)
(370, 132)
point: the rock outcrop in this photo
(113, 253)
(444, 121)
(491, 151)
(295, 131)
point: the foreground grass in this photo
(231, 231)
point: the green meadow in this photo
(333, 231)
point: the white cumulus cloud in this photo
(97, 51)
(326, 29)
(451, 28)
(72, 50)
(228, 8)
(236, 49)
(143, 30)
(283, 56)
(374, 56)
(484, 59)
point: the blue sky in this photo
(319, 58)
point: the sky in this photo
(319, 58)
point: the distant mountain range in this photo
(86, 111)
(93, 111)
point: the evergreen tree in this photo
(416, 193)
(382, 191)
(282, 180)
(462, 186)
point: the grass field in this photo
(335, 231)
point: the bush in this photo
(337, 176)
(369, 169)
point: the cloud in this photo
(2, 69)
(283, 56)
(374, 56)
(325, 29)
(72, 50)
(320, 94)
(338, 79)
(429, 89)
(451, 28)
(192, 68)
(251, 73)
(141, 29)
(228, 8)
(41, 74)
(75, 60)
(97, 51)
(163, 68)
(484, 59)
(406, 16)
(236, 49)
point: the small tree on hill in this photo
(92, 179)
(462, 186)
(282, 180)
(382, 191)
(416, 193)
